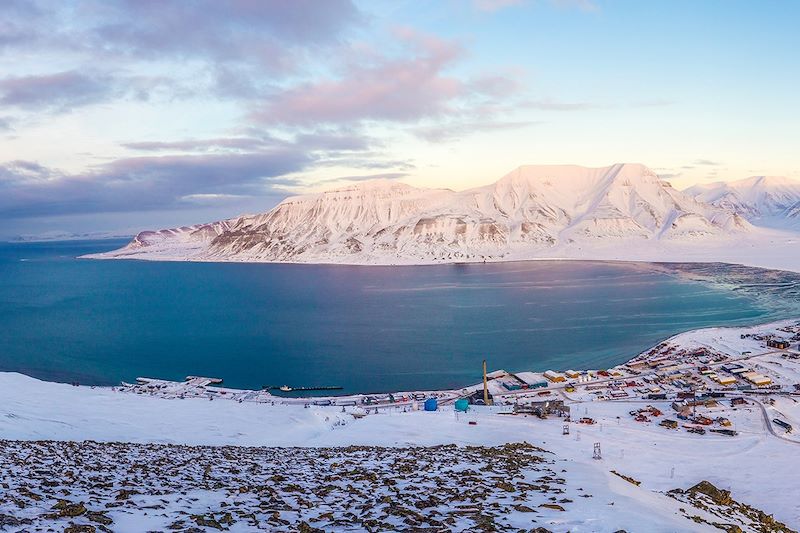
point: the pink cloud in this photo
(494, 5)
(403, 88)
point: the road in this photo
(770, 425)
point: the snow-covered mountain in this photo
(530, 211)
(767, 200)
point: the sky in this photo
(122, 115)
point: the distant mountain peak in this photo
(774, 200)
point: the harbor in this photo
(690, 382)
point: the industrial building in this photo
(543, 408)
(555, 377)
(725, 380)
(756, 379)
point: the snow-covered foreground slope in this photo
(766, 200)
(126, 487)
(534, 211)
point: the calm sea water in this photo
(363, 328)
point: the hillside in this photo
(530, 212)
(92, 486)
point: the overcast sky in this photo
(133, 114)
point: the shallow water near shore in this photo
(367, 329)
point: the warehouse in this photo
(555, 377)
(756, 379)
(726, 380)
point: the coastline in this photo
(170, 390)
(603, 339)
(36, 416)
(764, 250)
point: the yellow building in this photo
(726, 380)
(555, 377)
(756, 379)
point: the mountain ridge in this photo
(772, 200)
(532, 209)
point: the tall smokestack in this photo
(485, 385)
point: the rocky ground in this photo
(102, 487)
(726, 512)
(90, 486)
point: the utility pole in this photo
(485, 386)
(596, 454)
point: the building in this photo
(731, 368)
(572, 374)
(726, 380)
(756, 379)
(476, 398)
(778, 343)
(781, 423)
(670, 424)
(543, 408)
(555, 377)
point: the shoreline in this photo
(216, 385)
(661, 439)
(766, 323)
(459, 376)
(756, 251)
(493, 261)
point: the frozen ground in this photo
(123, 487)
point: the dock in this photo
(287, 388)
(209, 389)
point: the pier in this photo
(287, 388)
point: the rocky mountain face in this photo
(530, 210)
(770, 198)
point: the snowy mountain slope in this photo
(529, 212)
(197, 233)
(768, 200)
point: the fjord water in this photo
(362, 328)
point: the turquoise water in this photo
(363, 328)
